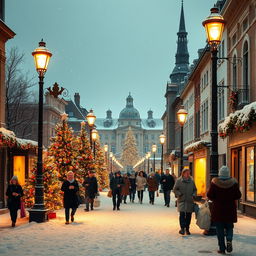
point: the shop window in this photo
(250, 174)
(200, 176)
(19, 168)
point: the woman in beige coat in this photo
(185, 191)
(140, 185)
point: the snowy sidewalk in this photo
(135, 230)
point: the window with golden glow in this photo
(250, 174)
(19, 168)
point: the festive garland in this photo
(8, 139)
(196, 146)
(239, 121)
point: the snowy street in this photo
(135, 230)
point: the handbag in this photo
(196, 209)
(96, 202)
(157, 193)
(22, 210)
(109, 193)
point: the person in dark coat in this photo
(167, 182)
(116, 186)
(70, 188)
(152, 187)
(91, 190)
(13, 194)
(223, 192)
(125, 188)
(185, 192)
(132, 187)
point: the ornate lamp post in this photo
(148, 157)
(182, 118)
(154, 148)
(111, 155)
(91, 120)
(214, 26)
(162, 141)
(41, 57)
(106, 154)
(94, 135)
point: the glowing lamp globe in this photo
(182, 116)
(94, 134)
(162, 138)
(41, 57)
(154, 148)
(91, 118)
(214, 27)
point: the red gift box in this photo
(52, 215)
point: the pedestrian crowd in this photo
(223, 194)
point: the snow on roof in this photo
(9, 139)
(196, 146)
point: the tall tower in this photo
(182, 56)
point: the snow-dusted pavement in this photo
(135, 230)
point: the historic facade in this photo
(146, 130)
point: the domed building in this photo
(112, 130)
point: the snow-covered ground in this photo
(135, 230)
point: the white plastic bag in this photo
(204, 217)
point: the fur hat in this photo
(224, 173)
(14, 178)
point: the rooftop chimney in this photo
(150, 114)
(109, 114)
(77, 99)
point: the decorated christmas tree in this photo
(84, 152)
(52, 185)
(101, 166)
(130, 154)
(62, 150)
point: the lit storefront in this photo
(199, 160)
(17, 158)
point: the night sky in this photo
(105, 49)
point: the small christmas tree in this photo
(52, 185)
(100, 166)
(130, 154)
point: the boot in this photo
(13, 224)
(72, 218)
(118, 208)
(221, 252)
(114, 208)
(182, 231)
(67, 222)
(187, 231)
(229, 246)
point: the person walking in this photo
(167, 182)
(70, 188)
(152, 187)
(185, 191)
(125, 188)
(223, 192)
(91, 190)
(132, 187)
(116, 186)
(140, 185)
(14, 193)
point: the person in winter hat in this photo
(185, 191)
(223, 192)
(13, 194)
(116, 184)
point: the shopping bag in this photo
(157, 193)
(22, 210)
(96, 202)
(204, 217)
(196, 209)
(109, 193)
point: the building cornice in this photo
(6, 32)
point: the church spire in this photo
(182, 56)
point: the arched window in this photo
(234, 74)
(245, 73)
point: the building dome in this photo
(129, 112)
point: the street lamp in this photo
(182, 118)
(41, 57)
(148, 157)
(106, 154)
(154, 148)
(94, 135)
(214, 26)
(111, 163)
(162, 141)
(91, 120)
